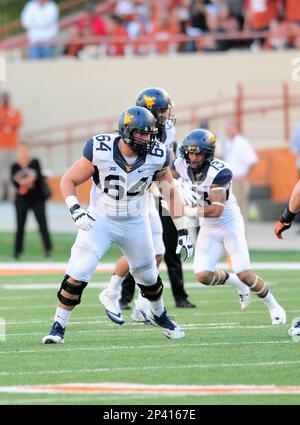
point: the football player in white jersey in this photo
(122, 166)
(221, 222)
(283, 223)
(159, 103)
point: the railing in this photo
(59, 146)
(168, 39)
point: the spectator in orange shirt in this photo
(292, 11)
(116, 28)
(260, 13)
(10, 122)
(92, 24)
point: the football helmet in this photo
(158, 102)
(138, 119)
(199, 141)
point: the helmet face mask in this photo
(201, 142)
(159, 103)
(133, 124)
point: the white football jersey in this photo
(170, 135)
(219, 173)
(119, 189)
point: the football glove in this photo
(81, 217)
(188, 192)
(284, 222)
(185, 243)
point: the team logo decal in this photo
(193, 148)
(150, 101)
(212, 138)
(128, 118)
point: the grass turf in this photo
(223, 345)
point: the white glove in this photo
(81, 217)
(164, 204)
(188, 192)
(191, 212)
(185, 243)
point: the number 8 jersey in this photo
(216, 172)
(119, 187)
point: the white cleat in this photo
(170, 329)
(140, 316)
(112, 307)
(278, 315)
(294, 330)
(244, 298)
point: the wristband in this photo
(180, 223)
(287, 216)
(71, 200)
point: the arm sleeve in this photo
(88, 150)
(223, 177)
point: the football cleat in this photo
(278, 315)
(244, 300)
(140, 315)
(56, 335)
(294, 330)
(170, 329)
(112, 307)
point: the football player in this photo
(283, 223)
(122, 166)
(221, 223)
(159, 103)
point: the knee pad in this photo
(152, 292)
(71, 289)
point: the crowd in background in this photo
(163, 20)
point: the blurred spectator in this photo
(115, 27)
(27, 177)
(162, 31)
(10, 122)
(295, 145)
(278, 39)
(91, 24)
(259, 15)
(292, 11)
(240, 156)
(40, 19)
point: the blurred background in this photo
(70, 67)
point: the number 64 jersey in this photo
(119, 187)
(216, 172)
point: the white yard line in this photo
(189, 327)
(175, 345)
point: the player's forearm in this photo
(294, 202)
(212, 211)
(175, 203)
(67, 187)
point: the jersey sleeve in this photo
(167, 161)
(88, 150)
(223, 177)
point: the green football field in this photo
(223, 346)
